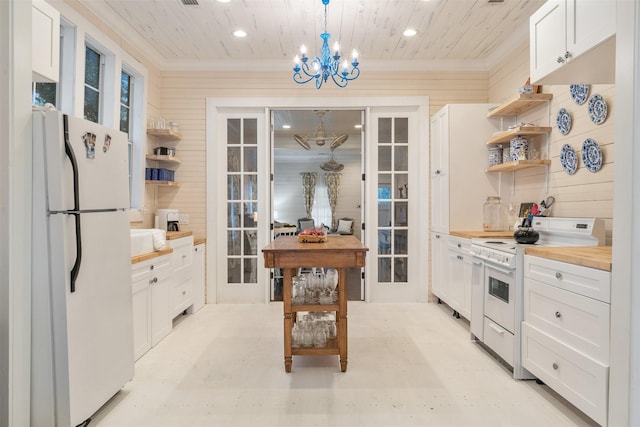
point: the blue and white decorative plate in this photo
(579, 93)
(591, 155)
(563, 121)
(568, 159)
(597, 109)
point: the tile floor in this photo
(409, 365)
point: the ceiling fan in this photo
(320, 136)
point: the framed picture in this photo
(525, 209)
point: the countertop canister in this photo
(494, 215)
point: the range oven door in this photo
(499, 295)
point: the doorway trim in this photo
(216, 106)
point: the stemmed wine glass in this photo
(331, 282)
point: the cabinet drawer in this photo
(460, 244)
(578, 321)
(159, 265)
(499, 340)
(576, 377)
(585, 281)
(181, 297)
(182, 257)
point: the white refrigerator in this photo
(82, 321)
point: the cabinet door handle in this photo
(558, 275)
(558, 315)
(437, 171)
(560, 60)
(555, 366)
(437, 236)
(184, 256)
(459, 257)
(567, 55)
(154, 280)
(459, 245)
(184, 292)
(151, 267)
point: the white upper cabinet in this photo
(45, 42)
(572, 41)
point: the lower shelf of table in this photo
(315, 307)
(330, 349)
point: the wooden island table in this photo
(339, 252)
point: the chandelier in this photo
(325, 65)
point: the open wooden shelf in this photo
(165, 134)
(163, 158)
(524, 102)
(163, 183)
(506, 136)
(330, 349)
(518, 165)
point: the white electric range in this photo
(498, 282)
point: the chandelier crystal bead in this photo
(325, 65)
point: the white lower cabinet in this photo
(181, 292)
(439, 265)
(199, 276)
(150, 287)
(460, 270)
(566, 330)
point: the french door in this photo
(394, 215)
(243, 188)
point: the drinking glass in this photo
(319, 338)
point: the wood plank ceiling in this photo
(177, 36)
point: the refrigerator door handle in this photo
(68, 149)
(76, 264)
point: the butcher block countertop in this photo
(150, 255)
(482, 234)
(199, 240)
(172, 235)
(587, 256)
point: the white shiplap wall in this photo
(584, 193)
(183, 95)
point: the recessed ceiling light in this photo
(358, 126)
(409, 32)
(286, 126)
(224, 1)
(239, 33)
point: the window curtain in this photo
(308, 190)
(332, 180)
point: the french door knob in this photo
(560, 60)
(558, 314)
(555, 366)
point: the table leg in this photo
(342, 318)
(288, 316)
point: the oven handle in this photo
(502, 270)
(496, 329)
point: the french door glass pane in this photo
(401, 130)
(400, 242)
(250, 268)
(233, 215)
(233, 242)
(250, 215)
(402, 184)
(233, 159)
(401, 158)
(251, 242)
(251, 187)
(250, 132)
(384, 130)
(401, 214)
(384, 214)
(384, 242)
(233, 187)
(250, 159)
(233, 132)
(400, 269)
(234, 271)
(384, 270)
(384, 158)
(384, 186)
